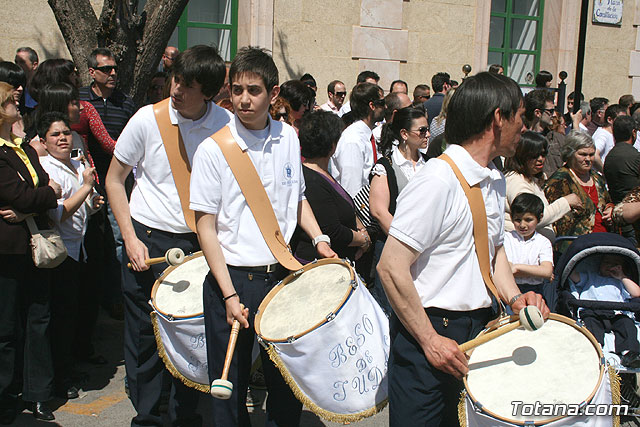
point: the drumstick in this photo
(222, 388)
(173, 256)
(530, 318)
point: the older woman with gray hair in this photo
(577, 176)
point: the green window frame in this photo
(184, 24)
(506, 49)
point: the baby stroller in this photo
(585, 254)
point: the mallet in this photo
(530, 318)
(222, 388)
(173, 256)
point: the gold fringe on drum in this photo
(323, 413)
(616, 394)
(205, 388)
(462, 409)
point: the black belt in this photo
(259, 269)
(479, 313)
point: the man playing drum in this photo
(243, 268)
(429, 267)
(154, 220)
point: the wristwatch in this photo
(321, 238)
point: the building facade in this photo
(399, 39)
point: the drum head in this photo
(302, 302)
(559, 363)
(178, 291)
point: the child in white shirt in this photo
(529, 252)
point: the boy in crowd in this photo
(243, 269)
(529, 252)
(610, 283)
(78, 201)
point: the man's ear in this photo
(538, 113)
(273, 94)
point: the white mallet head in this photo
(174, 256)
(531, 318)
(221, 389)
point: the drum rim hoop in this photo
(560, 318)
(163, 276)
(272, 293)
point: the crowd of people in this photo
(365, 180)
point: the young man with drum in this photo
(429, 266)
(154, 220)
(243, 268)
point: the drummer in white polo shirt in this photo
(153, 222)
(429, 267)
(243, 269)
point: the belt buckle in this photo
(271, 268)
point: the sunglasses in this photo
(340, 94)
(107, 69)
(280, 116)
(422, 131)
(549, 110)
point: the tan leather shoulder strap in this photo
(480, 228)
(253, 190)
(178, 160)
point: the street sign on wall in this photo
(607, 12)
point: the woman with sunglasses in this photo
(400, 145)
(523, 173)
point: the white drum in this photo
(178, 321)
(559, 364)
(330, 340)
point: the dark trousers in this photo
(65, 280)
(283, 409)
(419, 394)
(146, 373)
(24, 329)
(623, 327)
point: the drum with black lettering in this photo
(330, 340)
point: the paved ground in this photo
(103, 402)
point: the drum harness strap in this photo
(247, 177)
(480, 229)
(178, 160)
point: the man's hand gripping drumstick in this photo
(173, 256)
(223, 388)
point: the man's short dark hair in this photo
(542, 78)
(92, 60)
(613, 111)
(495, 68)
(297, 94)
(318, 133)
(363, 76)
(422, 88)
(33, 55)
(391, 103)
(308, 80)
(47, 119)
(361, 95)
(472, 106)
(202, 64)
(634, 108)
(331, 88)
(535, 100)
(255, 60)
(623, 127)
(12, 73)
(626, 100)
(598, 103)
(398, 82)
(527, 203)
(572, 96)
(438, 81)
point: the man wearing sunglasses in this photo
(113, 105)
(356, 152)
(337, 92)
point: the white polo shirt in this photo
(353, 159)
(214, 189)
(73, 229)
(534, 251)
(604, 142)
(434, 218)
(154, 200)
(328, 106)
